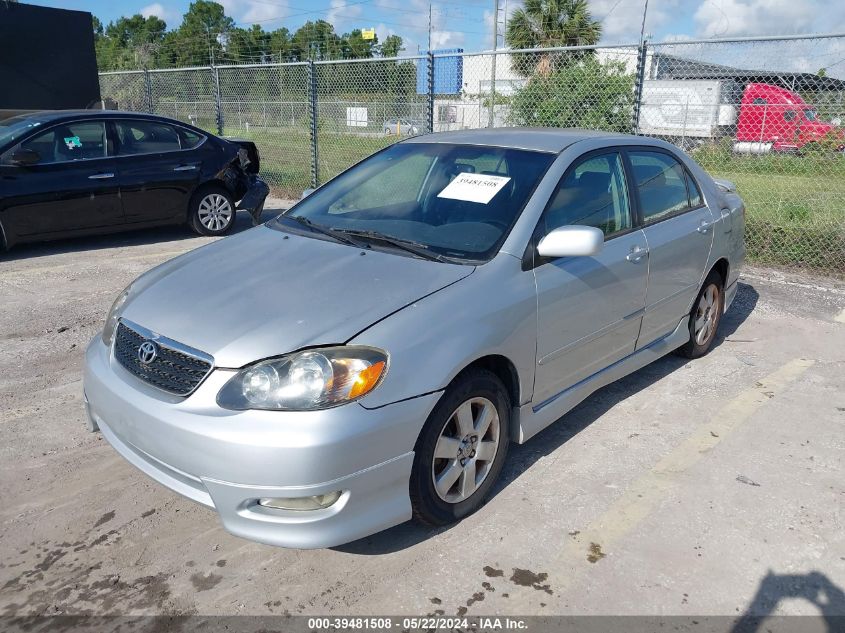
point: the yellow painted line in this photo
(641, 498)
(840, 318)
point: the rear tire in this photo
(211, 211)
(461, 450)
(705, 317)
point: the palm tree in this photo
(550, 23)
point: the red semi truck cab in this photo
(772, 118)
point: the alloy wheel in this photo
(215, 212)
(465, 450)
(706, 314)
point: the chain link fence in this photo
(765, 113)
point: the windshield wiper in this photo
(319, 228)
(420, 250)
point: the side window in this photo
(789, 115)
(70, 141)
(661, 184)
(695, 199)
(145, 137)
(190, 139)
(593, 193)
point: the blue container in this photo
(448, 73)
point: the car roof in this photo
(538, 139)
(52, 116)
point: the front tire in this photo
(212, 211)
(705, 317)
(461, 450)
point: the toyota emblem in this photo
(147, 352)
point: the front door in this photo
(679, 228)
(73, 186)
(589, 308)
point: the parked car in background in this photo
(68, 173)
(369, 355)
(402, 127)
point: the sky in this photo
(468, 24)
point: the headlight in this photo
(113, 316)
(314, 379)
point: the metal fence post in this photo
(218, 105)
(638, 88)
(148, 91)
(491, 120)
(429, 114)
(312, 120)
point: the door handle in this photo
(185, 168)
(704, 227)
(100, 176)
(636, 254)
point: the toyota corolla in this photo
(368, 356)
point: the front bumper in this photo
(227, 460)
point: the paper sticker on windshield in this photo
(474, 187)
(72, 142)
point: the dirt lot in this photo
(707, 487)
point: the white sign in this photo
(356, 117)
(474, 187)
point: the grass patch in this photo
(795, 206)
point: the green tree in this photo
(391, 47)
(201, 37)
(584, 94)
(129, 42)
(354, 46)
(316, 40)
(550, 23)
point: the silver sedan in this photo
(368, 356)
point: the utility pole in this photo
(491, 116)
(642, 28)
(429, 26)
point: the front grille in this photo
(178, 371)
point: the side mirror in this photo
(24, 158)
(307, 192)
(571, 241)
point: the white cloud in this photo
(757, 17)
(263, 12)
(622, 19)
(247, 12)
(157, 9)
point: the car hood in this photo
(265, 292)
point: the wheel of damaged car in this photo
(705, 317)
(461, 449)
(212, 211)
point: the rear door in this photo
(589, 308)
(678, 227)
(74, 185)
(159, 169)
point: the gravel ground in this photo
(707, 487)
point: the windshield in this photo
(456, 201)
(14, 127)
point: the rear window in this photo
(146, 137)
